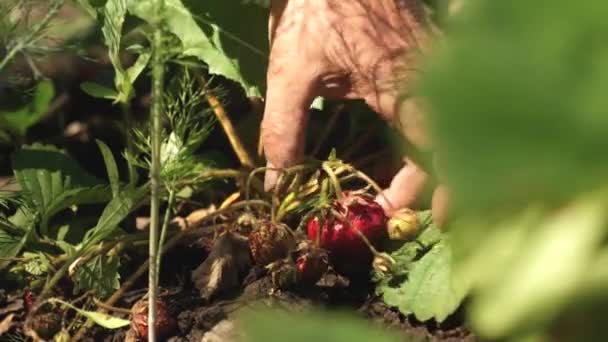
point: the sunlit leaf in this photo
(101, 319)
(209, 48)
(100, 274)
(111, 167)
(430, 291)
(116, 211)
(54, 181)
(98, 90)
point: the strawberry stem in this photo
(333, 178)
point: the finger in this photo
(405, 188)
(439, 205)
(291, 90)
(271, 177)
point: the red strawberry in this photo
(165, 322)
(349, 253)
(28, 300)
(311, 266)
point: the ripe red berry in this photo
(28, 300)
(349, 254)
(311, 266)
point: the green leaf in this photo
(111, 167)
(114, 17)
(10, 246)
(19, 121)
(543, 272)
(430, 290)
(100, 274)
(116, 211)
(54, 181)
(38, 263)
(241, 30)
(99, 91)
(140, 64)
(263, 325)
(222, 51)
(67, 248)
(88, 8)
(101, 319)
(531, 120)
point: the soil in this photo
(206, 320)
(198, 318)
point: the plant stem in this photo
(334, 180)
(128, 121)
(233, 137)
(163, 231)
(155, 186)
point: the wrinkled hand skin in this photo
(345, 49)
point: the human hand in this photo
(356, 49)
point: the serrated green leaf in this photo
(54, 181)
(210, 47)
(37, 264)
(100, 274)
(101, 319)
(114, 14)
(10, 246)
(19, 121)
(111, 167)
(430, 290)
(99, 91)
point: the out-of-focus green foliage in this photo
(262, 325)
(517, 101)
(15, 123)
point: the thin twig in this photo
(235, 141)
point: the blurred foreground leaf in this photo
(264, 326)
(518, 108)
(17, 122)
(518, 103)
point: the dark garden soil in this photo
(211, 320)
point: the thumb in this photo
(291, 90)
